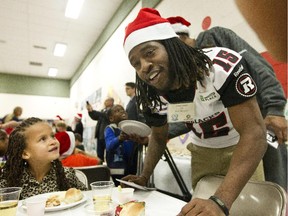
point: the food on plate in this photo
(73, 195)
(53, 200)
(134, 208)
(70, 196)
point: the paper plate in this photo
(135, 127)
(61, 206)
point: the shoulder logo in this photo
(245, 85)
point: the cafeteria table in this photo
(156, 204)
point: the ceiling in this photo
(31, 28)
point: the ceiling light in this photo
(59, 49)
(73, 8)
(52, 72)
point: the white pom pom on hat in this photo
(179, 24)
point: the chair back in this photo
(95, 173)
(256, 199)
(82, 177)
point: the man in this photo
(218, 82)
(102, 122)
(270, 95)
(131, 108)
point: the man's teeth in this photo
(153, 75)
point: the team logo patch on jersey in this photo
(245, 85)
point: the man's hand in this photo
(278, 124)
(89, 107)
(140, 180)
(201, 207)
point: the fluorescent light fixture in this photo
(60, 49)
(52, 72)
(73, 8)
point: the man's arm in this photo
(156, 148)
(248, 122)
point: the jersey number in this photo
(225, 55)
(210, 127)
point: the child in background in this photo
(70, 156)
(121, 149)
(32, 161)
(78, 142)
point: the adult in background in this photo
(15, 116)
(78, 124)
(270, 96)
(131, 108)
(218, 82)
(102, 122)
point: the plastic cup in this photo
(100, 208)
(9, 198)
(124, 195)
(35, 205)
(102, 190)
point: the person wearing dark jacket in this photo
(102, 122)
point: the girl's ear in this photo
(25, 155)
(111, 119)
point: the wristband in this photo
(221, 204)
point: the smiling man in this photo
(172, 76)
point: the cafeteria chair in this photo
(95, 173)
(258, 198)
(82, 177)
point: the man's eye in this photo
(150, 52)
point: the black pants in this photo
(101, 146)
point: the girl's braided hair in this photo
(15, 164)
(189, 65)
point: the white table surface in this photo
(156, 204)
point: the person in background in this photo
(15, 116)
(78, 124)
(102, 122)
(270, 96)
(121, 149)
(32, 161)
(269, 21)
(78, 142)
(70, 156)
(131, 108)
(61, 126)
(3, 147)
(217, 85)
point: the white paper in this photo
(132, 184)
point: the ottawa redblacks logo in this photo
(245, 85)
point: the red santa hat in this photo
(147, 26)
(179, 24)
(78, 115)
(67, 143)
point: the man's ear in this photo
(25, 155)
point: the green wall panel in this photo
(27, 85)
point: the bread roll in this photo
(73, 195)
(131, 208)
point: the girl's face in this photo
(41, 145)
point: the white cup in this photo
(35, 206)
(125, 195)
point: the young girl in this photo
(121, 149)
(32, 161)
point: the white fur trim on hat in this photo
(159, 31)
(180, 28)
